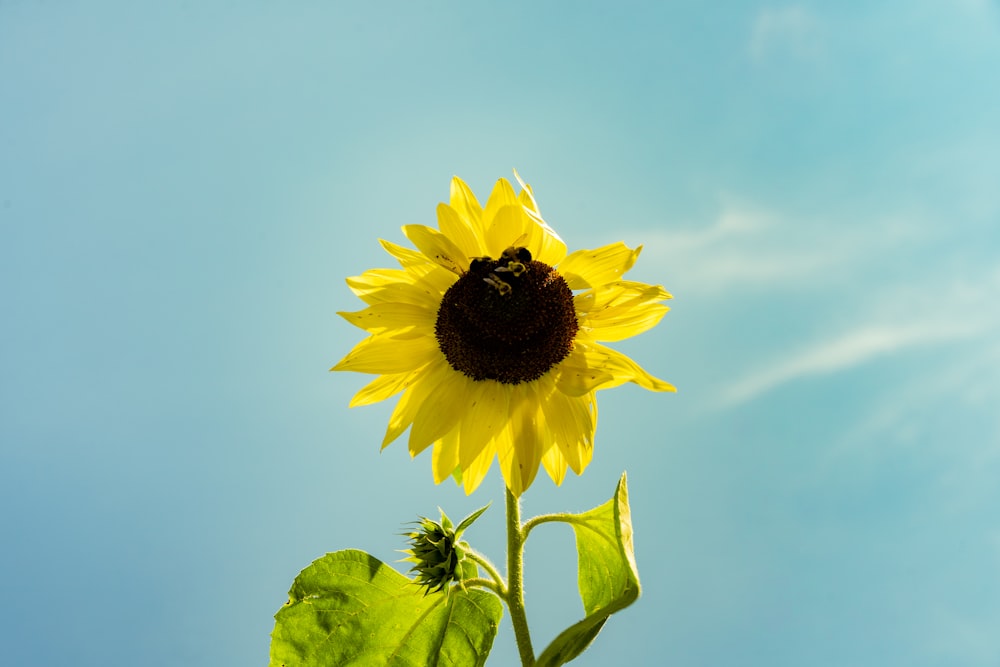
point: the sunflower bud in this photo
(439, 556)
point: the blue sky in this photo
(183, 189)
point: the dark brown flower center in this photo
(509, 319)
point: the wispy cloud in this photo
(964, 387)
(842, 352)
(881, 286)
(927, 310)
(734, 223)
(748, 247)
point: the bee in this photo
(478, 262)
(517, 254)
(513, 262)
(517, 258)
(501, 286)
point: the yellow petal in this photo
(584, 450)
(583, 302)
(570, 422)
(526, 443)
(526, 196)
(503, 443)
(382, 317)
(485, 414)
(501, 197)
(436, 283)
(555, 464)
(458, 230)
(437, 247)
(508, 227)
(575, 377)
(526, 199)
(543, 242)
(406, 408)
(474, 471)
(441, 413)
(397, 286)
(445, 456)
(618, 297)
(610, 326)
(407, 257)
(382, 354)
(587, 451)
(585, 269)
(622, 368)
(383, 387)
(466, 205)
(402, 415)
(373, 279)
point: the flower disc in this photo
(508, 320)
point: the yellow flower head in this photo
(492, 335)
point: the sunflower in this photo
(492, 335)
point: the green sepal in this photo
(467, 521)
(348, 607)
(606, 574)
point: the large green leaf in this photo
(349, 608)
(607, 575)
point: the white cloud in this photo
(964, 387)
(733, 223)
(747, 248)
(738, 249)
(880, 313)
(882, 286)
(842, 352)
(928, 309)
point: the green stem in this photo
(485, 563)
(564, 517)
(482, 582)
(515, 580)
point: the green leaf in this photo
(349, 608)
(606, 574)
